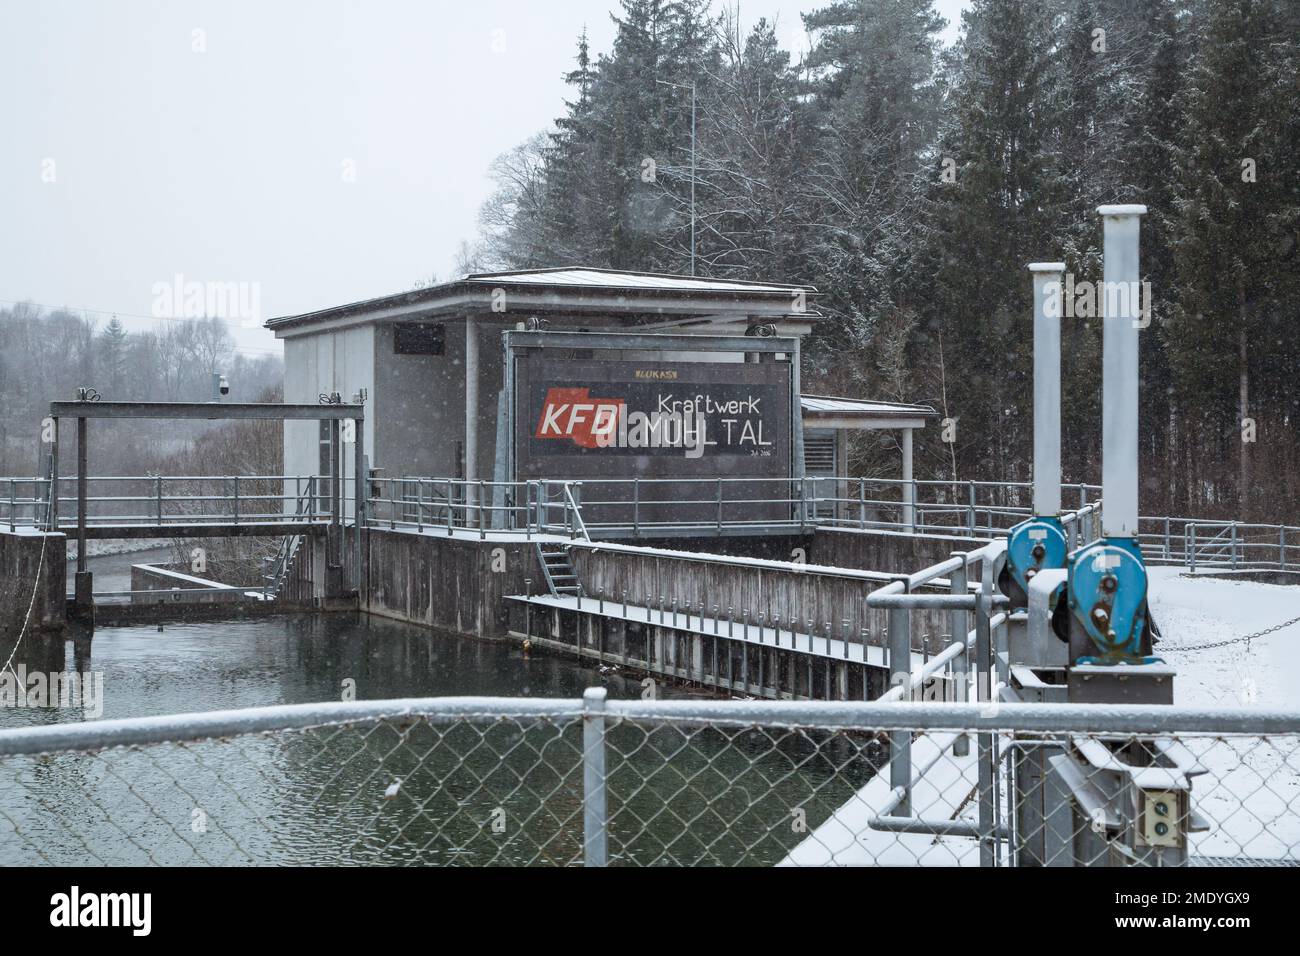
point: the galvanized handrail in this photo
(601, 717)
(643, 508)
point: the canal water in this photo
(472, 792)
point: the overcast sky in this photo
(137, 149)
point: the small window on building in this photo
(418, 338)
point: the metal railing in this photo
(637, 508)
(972, 508)
(565, 782)
(161, 500)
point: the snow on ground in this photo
(1250, 793)
(945, 792)
(1199, 610)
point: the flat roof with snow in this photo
(573, 290)
(824, 411)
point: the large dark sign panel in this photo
(654, 421)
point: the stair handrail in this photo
(289, 544)
(572, 507)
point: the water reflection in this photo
(215, 665)
(486, 792)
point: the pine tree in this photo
(1224, 252)
(112, 357)
(984, 221)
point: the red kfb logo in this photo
(573, 414)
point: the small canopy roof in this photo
(824, 411)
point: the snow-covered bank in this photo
(1250, 793)
(1198, 610)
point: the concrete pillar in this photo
(471, 414)
(909, 491)
(1119, 425)
(1047, 386)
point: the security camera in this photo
(223, 386)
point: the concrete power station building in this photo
(576, 373)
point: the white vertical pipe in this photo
(1120, 310)
(909, 490)
(471, 413)
(1047, 385)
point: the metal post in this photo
(81, 495)
(693, 176)
(54, 480)
(909, 486)
(1189, 545)
(235, 480)
(636, 507)
(984, 758)
(160, 497)
(359, 492)
(471, 409)
(595, 838)
(1120, 323)
(960, 630)
(900, 741)
(970, 509)
(862, 503)
(1047, 386)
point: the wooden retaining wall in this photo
(834, 604)
(720, 661)
(891, 551)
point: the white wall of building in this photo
(340, 361)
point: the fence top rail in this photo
(1028, 717)
(135, 731)
(873, 715)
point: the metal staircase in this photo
(276, 568)
(561, 579)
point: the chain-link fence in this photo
(562, 782)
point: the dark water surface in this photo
(483, 791)
(294, 659)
